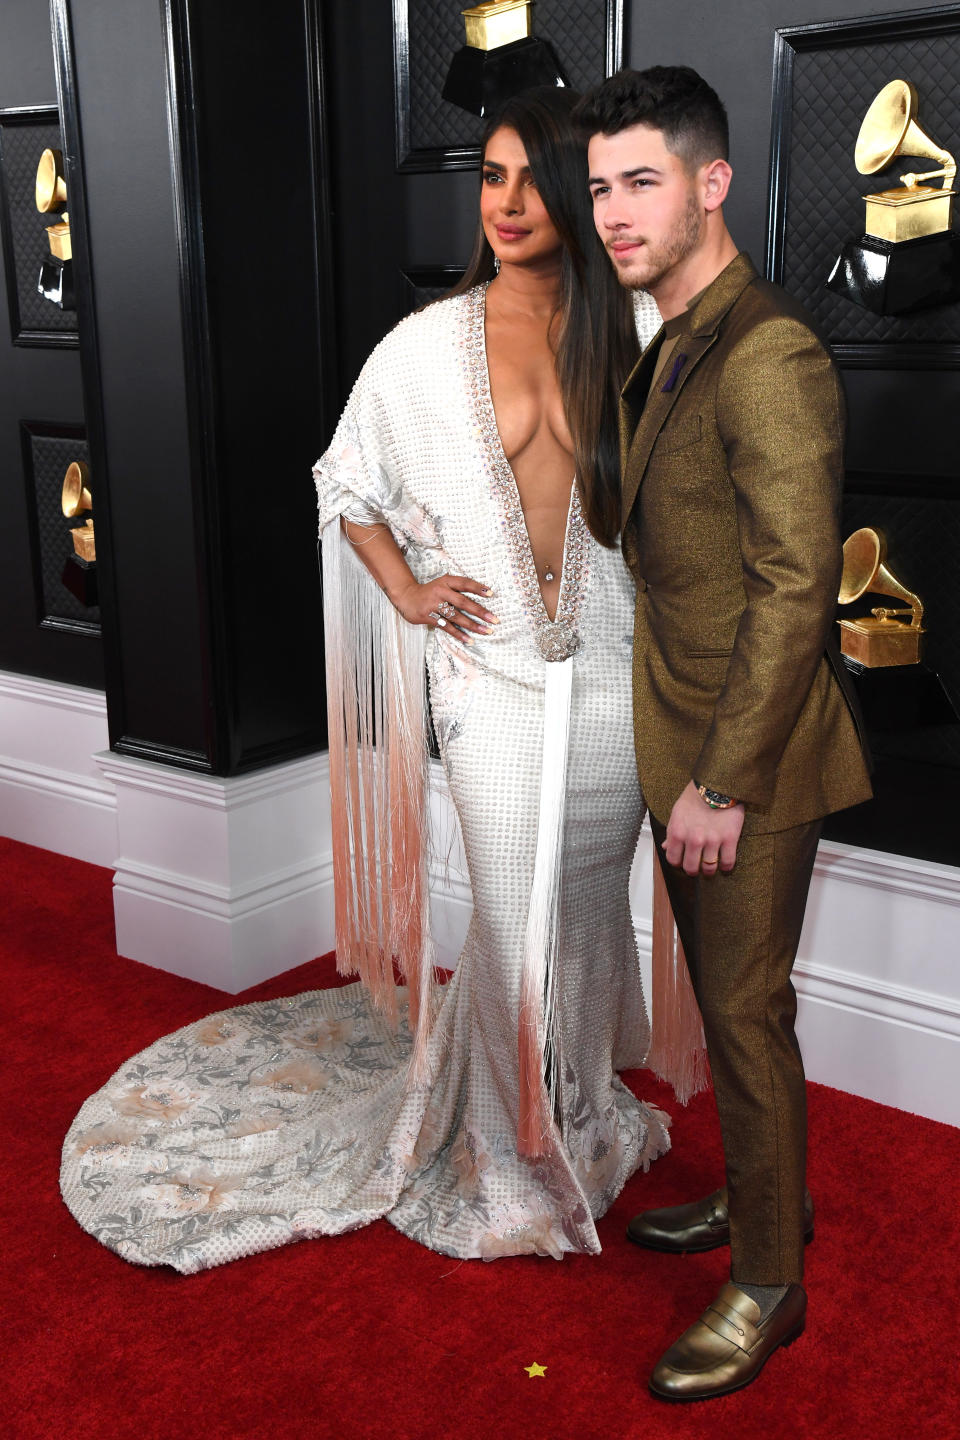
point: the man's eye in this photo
(600, 191)
(640, 183)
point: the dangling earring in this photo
(496, 264)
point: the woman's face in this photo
(515, 219)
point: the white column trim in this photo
(226, 880)
(900, 874)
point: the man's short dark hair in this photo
(670, 98)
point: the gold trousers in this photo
(740, 933)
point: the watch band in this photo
(714, 798)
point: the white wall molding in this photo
(900, 874)
(935, 1015)
(228, 881)
(48, 692)
(877, 976)
(51, 792)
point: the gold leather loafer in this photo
(728, 1346)
(699, 1225)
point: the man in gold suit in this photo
(732, 446)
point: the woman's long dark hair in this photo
(597, 342)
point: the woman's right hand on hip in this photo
(445, 604)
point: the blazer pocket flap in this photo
(686, 432)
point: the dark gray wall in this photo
(731, 44)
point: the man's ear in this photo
(715, 181)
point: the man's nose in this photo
(614, 215)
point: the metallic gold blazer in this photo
(732, 475)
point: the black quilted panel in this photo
(422, 284)
(577, 30)
(923, 542)
(832, 90)
(21, 146)
(48, 458)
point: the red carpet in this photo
(368, 1334)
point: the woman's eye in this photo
(491, 177)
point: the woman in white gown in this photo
(484, 1116)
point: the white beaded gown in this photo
(284, 1120)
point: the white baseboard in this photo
(877, 977)
(225, 881)
(51, 792)
(229, 882)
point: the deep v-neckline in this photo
(504, 460)
(556, 637)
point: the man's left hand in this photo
(699, 838)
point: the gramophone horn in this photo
(862, 556)
(890, 128)
(864, 571)
(75, 495)
(51, 187)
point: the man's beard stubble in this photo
(659, 260)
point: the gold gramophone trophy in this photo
(908, 257)
(56, 273)
(885, 636)
(502, 56)
(79, 572)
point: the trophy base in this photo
(877, 644)
(898, 278)
(80, 578)
(55, 282)
(480, 80)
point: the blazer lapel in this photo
(634, 394)
(642, 417)
(635, 448)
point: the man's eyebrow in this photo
(626, 174)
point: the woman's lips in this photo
(511, 232)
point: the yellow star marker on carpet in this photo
(535, 1370)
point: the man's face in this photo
(648, 209)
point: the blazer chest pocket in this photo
(687, 432)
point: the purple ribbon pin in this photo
(674, 375)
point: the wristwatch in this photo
(714, 798)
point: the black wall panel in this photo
(48, 449)
(36, 379)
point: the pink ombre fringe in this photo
(376, 705)
(677, 1051)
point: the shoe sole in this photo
(728, 1389)
(695, 1249)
